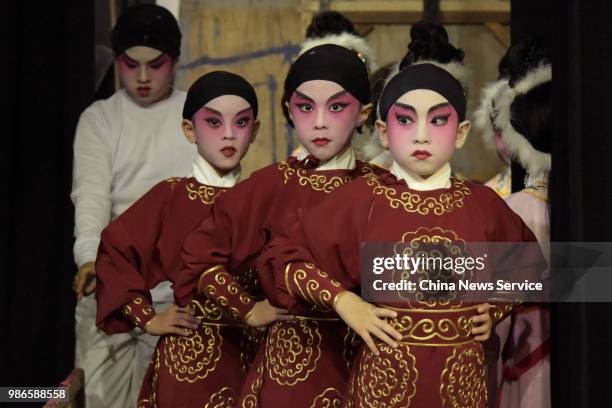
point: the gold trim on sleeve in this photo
(206, 272)
(287, 280)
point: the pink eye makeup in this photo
(440, 116)
(162, 61)
(211, 117)
(127, 62)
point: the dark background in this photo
(47, 80)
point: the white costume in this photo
(121, 150)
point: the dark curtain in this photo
(580, 34)
(47, 81)
(582, 193)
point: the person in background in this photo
(123, 146)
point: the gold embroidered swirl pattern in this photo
(442, 329)
(499, 311)
(462, 383)
(206, 194)
(251, 399)
(387, 380)
(329, 398)
(431, 243)
(191, 358)
(287, 171)
(223, 398)
(292, 351)
(317, 182)
(209, 310)
(411, 202)
(310, 289)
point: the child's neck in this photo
(439, 179)
(209, 175)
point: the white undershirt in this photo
(440, 179)
(343, 161)
(121, 150)
(205, 173)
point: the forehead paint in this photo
(229, 105)
(143, 54)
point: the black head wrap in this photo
(215, 84)
(423, 76)
(333, 63)
(147, 25)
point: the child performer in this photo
(200, 357)
(525, 123)
(326, 98)
(439, 361)
(429, 44)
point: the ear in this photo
(288, 110)
(462, 133)
(254, 131)
(188, 130)
(365, 113)
(382, 133)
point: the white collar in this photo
(440, 179)
(343, 161)
(206, 174)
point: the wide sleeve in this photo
(315, 257)
(521, 259)
(91, 184)
(123, 264)
(227, 241)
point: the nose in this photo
(143, 78)
(228, 134)
(320, 122)
(422, 136)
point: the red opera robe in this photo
(437, 363)
(142, 248)
(302, 360)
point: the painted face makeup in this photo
(325, 117)
(223, 131)
(422, 132)
(146, 74)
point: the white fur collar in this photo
(486, 111)
(206, 174)
(536, 163)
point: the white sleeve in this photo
(91, 185)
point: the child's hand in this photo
(84, 282)
(365, 319)
(482, 324)
(173, 320)
(263, 313)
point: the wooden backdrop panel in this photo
(255, 39)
